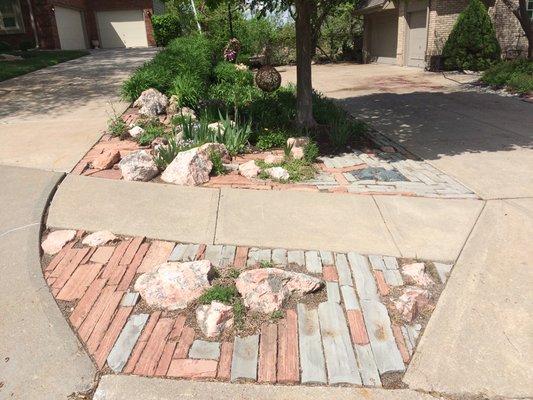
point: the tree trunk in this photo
(304, 88)
(530, 45)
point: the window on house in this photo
(530, 8)
(10, 17)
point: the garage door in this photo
(70, 28)
(416, 46)
(384, 37)
(122, 29)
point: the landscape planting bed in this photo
(382, 167)
(360, 328)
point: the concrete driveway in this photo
(483, 140)
(50, 118)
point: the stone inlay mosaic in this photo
(362, 332)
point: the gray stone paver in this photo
(213, 253)
(367, 365)
(343, 270)
(228, 255)
(443, 270)
(332, 289)
(279, 257)
(296, 257)
(204, 350)
(376, 262)
(393, 277)
(253, 257)
(338, 350)
(244, 361)
(313, 262)
(130, 299)
(312, 361)
(350, 298)
(364, 280)
(378, 324)
(327, 257)
(191, 252)
(178, 252)
(123, 347)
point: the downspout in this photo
(33, 26)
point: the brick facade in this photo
(442, 15)
(45, 24)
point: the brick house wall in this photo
(443, 15)
(45, 23)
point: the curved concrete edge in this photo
(124, 387)
(41, 356)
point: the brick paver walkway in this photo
(351, 338)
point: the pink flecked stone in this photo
(411, 301)
(107, 159)
(214, 318)
(55, 241)
(266, 289)
(416, 272)
(175, 285)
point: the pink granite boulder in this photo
(174, 285)
(411, 302)
(266, 289)
(249, 169)
(106, 160)
(416, 273)
(214, 318)
(189, 168)
(56, 240)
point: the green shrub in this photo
(189, 88)
(166, 27)
(516, 75)
(26, 45)
(326, 111)
(189, 55)
(311, 152)
(269, 139)
(230, 73)
(116, 126)
(166, 154)
(150, 133)
(239, 313)
(221, 293)
(472, 44)
(234, 136)
(299, 170)
(218, 165)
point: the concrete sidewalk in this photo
(51, 117)
(432, 229)
(40, 355)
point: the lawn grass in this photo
(34, 60)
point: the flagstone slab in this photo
(350, 298)
(245, 356)
(338, 350)
(343, 270)
(364, 281)
(296, 257)
(367, 365)
(334, 294)
(279, 257)
(123, 347)
(312, 362)
(202, 349)
(313, 262)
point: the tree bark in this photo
(304, 87)
(520, 12)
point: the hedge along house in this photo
(78, 24)
(413, 33)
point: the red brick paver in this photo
(357, 327)
(193, 369)
(329, 273)
(102, 254)
(131, 270)
(110, 337)
(115, 258)
(130, 252)
(78, 283)
(288, 362)
(241, 256)
(101, 326)
(170, 346)
(268, 353)
(185, 343)
(383, 288)
(157, 254)
(224, 364)
(400, 342)
(87, 301)
(141, 343)
(153, 350)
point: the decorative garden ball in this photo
(268, 78)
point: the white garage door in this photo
(384, 37)
(122, 29)
(417, 37)
(70, 28)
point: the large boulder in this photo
(190, 168)
(249, 169)
(151, 103)
(214, 318)
(266, 289)
(138, 166)
(55, 241)
(175, 285)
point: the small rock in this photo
(411, 302)
(297, 153)
(136, 131)
(208, 148)
(175, 285)
(416, 272)
(266, 289)
(158, 143)
(274, 159)
(190, 168)
(151, 103)
(10, 57)
(231, 167)
(278, 173)
(187, 112)
(249, 169)
(219, 126)
(138, 166)
(98, 238)
(56, 240)
(214, 318)
(106, 160)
